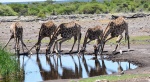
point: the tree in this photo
(49, 1)
(94, 1)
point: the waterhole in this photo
(42, 67)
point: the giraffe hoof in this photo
(113, 53)
(120, 51)
(30, 53)
(70, 51)
(56, 51)
(53, 51)
(60, 50)
(128, 50)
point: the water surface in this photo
(41, 67)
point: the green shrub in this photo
(33, 10)
(41, 14)
(9, 67)
(92, 8)
(6, 11)
(108, 6)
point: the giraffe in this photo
(115, 28)
(16, 31)
(92, 34)
(67, 31)
(47, 29)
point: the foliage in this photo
(21, 9)
(50, 7)
(6, 11)
(92, 8)
(9, 68)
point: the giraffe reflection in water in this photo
(47, 75)
(68, 73)
(50, 67)
(53, 73)
(72, 74)
(99, 69)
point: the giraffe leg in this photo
(128, 42)
(89, 41)
(55, 44)
(102, 45)
(31, 49)
(18, 48)
(118, 43)
(84, 43)
(62, 40)
(97, 47)
(15, 43)
(22, 47)
(75, 39)
(54, 47)
(100, 48)
(23, 44)
(38, 44)
(12, 36)
(84, 48)
(49, 47)
(79, 39)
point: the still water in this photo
(41, 67)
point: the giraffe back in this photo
(67, 30)
(47, 29)
(16, 29)
(116, 27)
(94, 33)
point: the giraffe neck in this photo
(54, 37)
(107, 32)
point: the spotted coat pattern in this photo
(67, 31)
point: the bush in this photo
(108, 6)
(92, 8)
(33, 10)
(41, 14)
(7, 11)
(9, 67)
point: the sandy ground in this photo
(139, 54)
